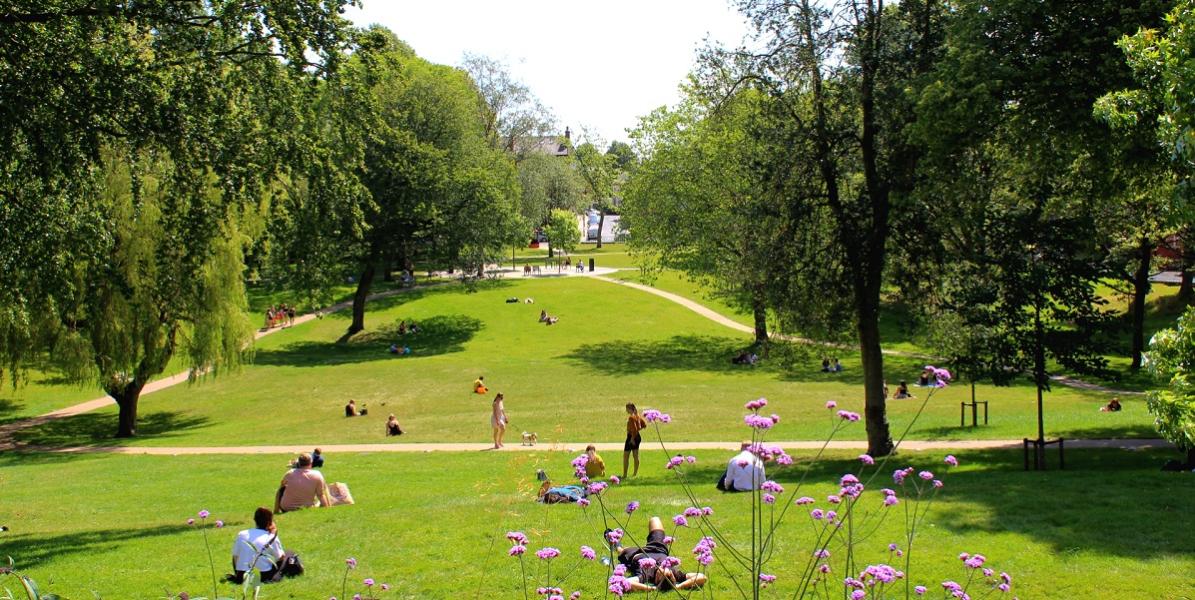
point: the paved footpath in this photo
(7, 431)
(908, 446)
(721, 320)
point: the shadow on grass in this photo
(97, 430)
(680, 353)
(28, 549)
(438, 335)
(1089, 507)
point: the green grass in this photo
(1111, 526)
(677, 283)
(566, 382)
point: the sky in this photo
(597, 65)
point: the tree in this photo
(846, 73)
(599, 173)
(511, 113)
(701, 203)
(548, 183)
(433, 180)
(562, 230)
(1172, 360)
(134, 163)
(624, 155)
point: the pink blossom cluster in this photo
(579, 467)
(518, 546)
(618, 583)
(760, 422)
(766, 579)
(755, 405)
(614, 536)
(773, 452)
(655, 416)
(632, 506)
(941, 376)
(587, 553)
(704, 550)
(772, 486)
(547, 553)
(847, 415)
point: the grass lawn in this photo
(566, 382)
(431, 525)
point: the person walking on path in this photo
(635, 424)
(498, 421)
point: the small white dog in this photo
(529, 439)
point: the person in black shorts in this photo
(635, 424)
(657, 576)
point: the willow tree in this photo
(134, 157)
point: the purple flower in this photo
(847, 415)
(368, 582)
(352, 562)
(219, 524)
(632, 506)
(890, 501)
(583, 502)
(596, 487)
(587, 553)
(817, 513)
(766, 579)
(680, 521)
(975, 561)
(892, 547)
(547, 553)
(614, 536)
(768, 499)
(858, 595)
(831, 405)
(615, 480)
(517, 550)
(190, 521)
(951, 460)
(867, 459)
(758, 422)
(655, 416)
(574, 595)
(692, 511)
(823, 553)
(803, 500)
(1003, 587)
(515, 537)
(926, 475)
(756, 404)
(668, 540)
(385, 587)
(920, 590)
(937, 483)
(203, 514)
(772, 486)
(832, 499)
(823, 568)
(674, 462)
(691, 460)
(707, 511)
(646, 563)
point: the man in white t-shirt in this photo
(302, 487)
(257, 548)
(744, 472)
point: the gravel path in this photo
(908, 446)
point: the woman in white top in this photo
(257, 548)
(498, 421)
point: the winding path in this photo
(7, 431)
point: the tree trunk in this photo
(1140, 292)
(359, 297)
(126, 398)
(760, 310)
(879, 435)
(601, 225)
(1186, 293)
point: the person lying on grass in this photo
(650, 568)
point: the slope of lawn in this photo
(567, 381)
(432, 525)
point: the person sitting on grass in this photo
(402, 327)
(543, 316)
(350, 409)
(479, 385)
(902, 391)
(257, 548)
(414, 328)
(317, 459)
(392, 427)
(650, 567)
(301, 487)
(926, 377)
(825, 365)
(595, 467)
(551, 320)
(744, 472)
(835, 366)
(1112, 406)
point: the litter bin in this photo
(591, 265)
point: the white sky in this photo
(596, 65)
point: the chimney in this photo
(567, 134)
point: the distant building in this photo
(545, 144)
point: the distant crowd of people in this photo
(280, 315)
